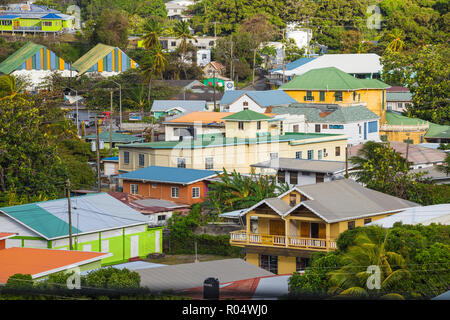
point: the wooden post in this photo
(231, 59)
(70, 214)
(247, 217)
(97, 149)
(287, 224)
(327, 235)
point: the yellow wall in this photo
(401, 136)
(252, 258)
(286, 265)
(232, 157)
(372, 97)
(250, 129)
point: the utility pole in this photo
(254, 61)
(407, 146)
(346, 162)
(214, 84)
(70, 213)
(231, 58)
(284, 66)
(110, 123)
(97, 149)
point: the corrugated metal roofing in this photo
(331, 78)
(91, 57)
(338, 114)
(247, 115)
(263, 98)
(116, 137)
(302, 165)
(361, 63)
(168, 174)
(90, 213)
(9, 16)
(14, 61)
(51, 16)
(398, 96)
(294, 64)
(415, 215)
(186, 105)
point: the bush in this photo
(113, 278)
(19, 281)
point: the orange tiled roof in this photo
(202, 116)
(40, 262)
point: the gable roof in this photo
(91, 57)
(51, 16)
(434, 130)
(168, 175)
(263, 98)
(14, 61)
(342, 200)
(90, 213)
(247, 115)
(361, 63)
(331, 78)
(183, 105)
(328, 113)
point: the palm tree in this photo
(153, 29)
(396, 44)
(10, 87)
(445, 168)
(182, 31)
(351, 279)
(155, 64)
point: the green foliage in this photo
(113, 278)
(291, 51)
(236, 191)
(19, 281)
(380, 167)
(110, 28)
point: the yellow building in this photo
(281, 233)
(249, 138)
(333, 86)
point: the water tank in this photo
(211, 289)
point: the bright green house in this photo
(100, 223)
(30, 18)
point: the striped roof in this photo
(331, 78)
(90, 213)
(14, 61)
(97, 53)
(168, 174)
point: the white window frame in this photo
(193, 192)
(177, 192)
(132, 190)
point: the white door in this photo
(157, 241)
(134, 246)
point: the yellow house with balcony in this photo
(281, 233)
(333, 86)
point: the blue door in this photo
(365, 130)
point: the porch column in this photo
(327, 234)
(287, 223)
(247, 218)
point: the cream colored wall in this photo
(233, 157)
(250, 129)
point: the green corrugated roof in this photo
(247, 115)
(434, 130)
(14, 61)
(331, 78)
(438, 131)
(40, 220)
(91, 57)
(341, 115)
(116, 137)
(218, 139)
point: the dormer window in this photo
(292, 199)
(245, 103)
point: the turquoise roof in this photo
(168, 174)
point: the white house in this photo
(203, 57)
(357, 122)
(258, 101)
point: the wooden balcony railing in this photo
(241, 238)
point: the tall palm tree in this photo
(396, 44)
(351, 279)
(153, 29)
(182, 31)
(155, 64)
(10, 87)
